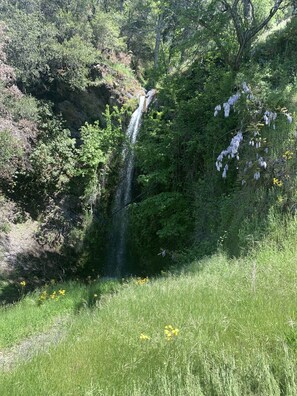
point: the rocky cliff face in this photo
(109, 85)
(79, 107)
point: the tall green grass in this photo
(237, 322)
(34, 314)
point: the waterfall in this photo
(123, 196)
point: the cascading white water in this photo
(117, 249)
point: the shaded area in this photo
(35, 269)
(117, 261)
(96, 291)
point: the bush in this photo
(11, 151)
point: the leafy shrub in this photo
(106, 31)
(11, 151)
(24, 107)
(71, 61)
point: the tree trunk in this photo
(294, 5)
(158, 40)
(122, 6)
(247, 11)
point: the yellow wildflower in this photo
(288, 155)
(175, 332)
(43, 295)
(280, 199)
(141, 281)
(170, 332)
(23, 283)
(144, 337)
(277, 182)
(62, 292)
(53, 295)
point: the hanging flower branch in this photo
(267, 118)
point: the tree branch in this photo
(253, 13)
(257, 29)
(235, 4)
(216, 40)
(244, 31)
(235, 17)
(244, 36)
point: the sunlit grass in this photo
(218, 327)
(232, 326)
(38, 310)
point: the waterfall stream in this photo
(117, 249)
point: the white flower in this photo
(224, 174)
(233, 99)
(230, 102)
(230, 152)
(269, 116)
(289, 117)
(262, 163)
(219, 166)
(218, 108)
(245, 88)
(226, 109)
(257, 175)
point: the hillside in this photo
(67, 99)
(148, 177)
(219, 327)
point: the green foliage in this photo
(70, 24)
(175, 159)
(93, 155)
(43, 308)
(44, 52)
(50, 166)
(11, 152)
(163, 220)
(73, 59)
(200, 54)
(236, 321)
(29, 49)
(53, 163)
(25, 108)
(106, 31)
(53, 158)
(182, 139)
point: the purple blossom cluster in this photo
(269, 118)
(230, 152)
(227, 106)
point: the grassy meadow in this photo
(219, 327)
